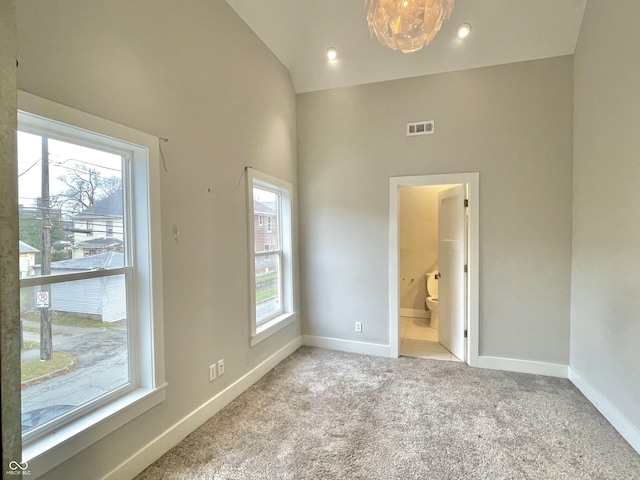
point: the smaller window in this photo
(271, 254)
(89, 227)
(109, 228)
(260, 221)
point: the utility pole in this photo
(46, 337)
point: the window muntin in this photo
(271, 246)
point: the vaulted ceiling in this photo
(299, 32)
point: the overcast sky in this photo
(63, 160)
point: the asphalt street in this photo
(102, 365)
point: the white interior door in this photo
(451, 261)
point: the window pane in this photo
(86, 350)
(268, 299)
(266, 215)
(76, 212)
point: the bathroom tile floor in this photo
(418, 339)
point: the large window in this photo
(90, 301)
(271, 248)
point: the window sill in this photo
(52, 449)
(272, 326)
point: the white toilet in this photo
(432, 296)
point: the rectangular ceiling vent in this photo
(420, 128)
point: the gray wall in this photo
(199, 76)
(605, 306)
(191, 71)
(513, 124)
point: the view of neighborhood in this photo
(74, 333)
(266, 239)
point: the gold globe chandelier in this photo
(407, 25)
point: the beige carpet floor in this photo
(323, 414)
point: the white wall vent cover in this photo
(420, 128)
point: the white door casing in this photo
(472, 182)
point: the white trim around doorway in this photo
(472, 181)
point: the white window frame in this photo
(53, 447)
(288, 311)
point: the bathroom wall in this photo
(512, 124)
(605, 306)
(418, 230)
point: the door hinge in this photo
(466, 334)
(466, 269)
(466, 202)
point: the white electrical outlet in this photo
(359, 327)
(221, 367)
(212, 372)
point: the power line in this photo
(60, 163)
(80, 171)
(33, 165)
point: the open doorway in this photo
(432, 249)
(434, 243)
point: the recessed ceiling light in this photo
(464, 30)
(332, 53)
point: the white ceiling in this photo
(299, 32)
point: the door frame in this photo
(472, 320)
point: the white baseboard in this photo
(364, 348)
(608, 411)
(523, 366)
(415, 313)
(177, 432)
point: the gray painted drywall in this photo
(191, 71)
(605, 304)
(511, 123)
(9, 269)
